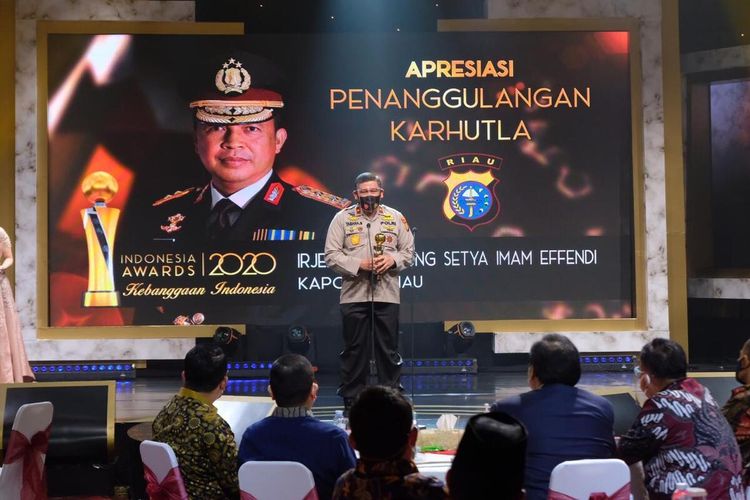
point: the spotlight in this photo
(298, 339)
(463, 334)
(228, 339)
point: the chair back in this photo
(276, 481)
(605, 479)
(23, 474)
(162, 472)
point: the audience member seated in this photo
(562, 421)
(202, 441)
(680, 434)
(737, 409)
(490, 460)
(382, 427)
(293, 434)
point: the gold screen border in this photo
(8, 123)
(110, 384)
(674, 174)
(639, 322)
(44, 28)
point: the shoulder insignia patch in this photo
(173, 196)
(201, 194)
(274, 193)
(323, 197)
(403, 221)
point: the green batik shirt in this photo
(204, 445)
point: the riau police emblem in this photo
(470, 200)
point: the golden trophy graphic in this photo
(100, 225)
(378, 247)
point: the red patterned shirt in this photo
(737, 413)
(681, 436)
(397, 480)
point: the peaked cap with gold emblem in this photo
(239, 89)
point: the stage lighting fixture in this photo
(446, 366)
(463, 334)
(83, 370)
(298, 339)
(248, 369)
(228, 339)
(608, 361)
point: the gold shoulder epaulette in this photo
(322, 196)
(173, 196)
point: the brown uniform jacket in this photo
(350, 240)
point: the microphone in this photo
(368, 225)
(414, 230)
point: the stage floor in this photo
(141, 399)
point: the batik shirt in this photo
(737, 413)
(203, 443)
(396, 480)
(681, 436)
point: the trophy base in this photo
(107, 298)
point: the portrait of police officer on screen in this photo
(237, 135)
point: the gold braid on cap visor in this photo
(236, 112)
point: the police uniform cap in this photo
(237, 87)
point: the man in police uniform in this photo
(368, 244)
(237, 138)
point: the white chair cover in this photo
(276, 481)
(580, 479)
(32, 420)
(160, 461)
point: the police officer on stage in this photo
(238, 134)
(369, 244)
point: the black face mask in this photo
(737, 371)
(369, 203)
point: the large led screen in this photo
(510, 155)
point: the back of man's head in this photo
(205, 367)
(664, 358)
(555, 360)
(291, 380)
(490, 459)
(381, 420)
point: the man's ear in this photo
(182, 376)
(270, 392)
(534, 382)
(352, 443)
(281, 136)
(413, 434)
